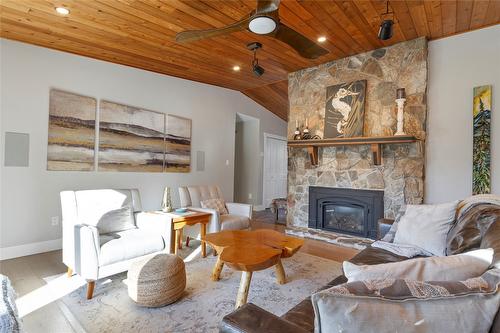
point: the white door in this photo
(275, 168)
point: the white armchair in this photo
(105, 230)
(239, 214)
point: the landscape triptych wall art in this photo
(130, 138)
(178, 144)
(71, 140)
(481, 142)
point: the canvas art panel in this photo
(178, 144)
(345, 109)
(71, 134)
(130, 138)
(481, 142)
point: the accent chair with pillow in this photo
(105, 230)
(225, 215)
(387, 304)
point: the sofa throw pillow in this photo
(218, 204)
(426, 226)
(453, 268)
(389, 236)
(116, 220)
(396, 305)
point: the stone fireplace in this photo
(347, 211)
(400, 177)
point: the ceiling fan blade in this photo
(266, 6)
(193, 35)
(304, 46)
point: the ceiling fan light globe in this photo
(262, 25)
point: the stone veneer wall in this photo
(401, 174)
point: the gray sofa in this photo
(478, 228)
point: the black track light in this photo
(385, 31)
(257, 70)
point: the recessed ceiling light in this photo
(322, 39)
(236, 68)
(62, 10)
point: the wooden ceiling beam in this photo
(403, 17)
(418, 17)
(479, 11)
(464, 15)
(493, 13)
(449, 17)
(433, 16)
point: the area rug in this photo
(204, 303)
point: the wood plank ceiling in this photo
(141, 34)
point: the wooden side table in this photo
(180, 220)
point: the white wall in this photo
(456, 65)
(30, 196)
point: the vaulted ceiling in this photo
(142, 34)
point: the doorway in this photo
(247, 160)
(275, 168)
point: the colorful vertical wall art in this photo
(481, 142)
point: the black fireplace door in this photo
(342, 216)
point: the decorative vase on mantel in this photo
(166, 203)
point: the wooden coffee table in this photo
(250, 251)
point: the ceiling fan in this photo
(264, 20)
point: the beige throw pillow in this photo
(426, 226)
(391, 305)
(452, 268)
(218, 204)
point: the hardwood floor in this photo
(28, 275)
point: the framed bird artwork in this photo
(345, 109)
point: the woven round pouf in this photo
(157, 281)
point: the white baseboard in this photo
(29, 249)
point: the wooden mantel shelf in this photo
(375, 142)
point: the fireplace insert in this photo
(348, 211)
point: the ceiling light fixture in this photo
(321, 39)
(262, 25)
(236, 68)
(62, 10)
(385, 31)
(257, 70)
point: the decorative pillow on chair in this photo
(393, 305)
(218, 204)
(116, 220)
(426, 226)
(452, 268)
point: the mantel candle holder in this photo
(305, 134)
